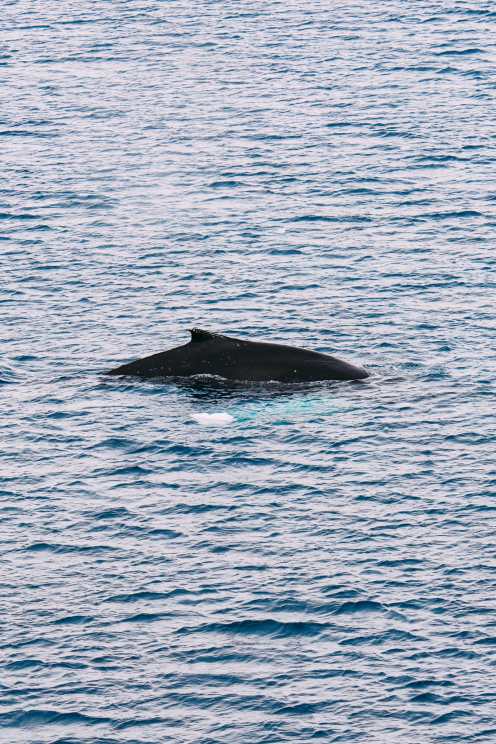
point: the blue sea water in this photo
(319, 566)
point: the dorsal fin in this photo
(198, 335)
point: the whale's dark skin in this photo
(235, 359)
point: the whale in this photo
(215, 355)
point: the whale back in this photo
(210, 353)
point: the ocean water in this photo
(220, 564)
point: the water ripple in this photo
(319, 567)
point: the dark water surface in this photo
(321, 567)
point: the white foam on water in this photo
(213, 419)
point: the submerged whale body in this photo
(235, 359)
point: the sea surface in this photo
(231, 564)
